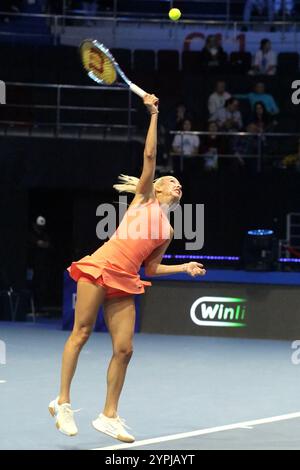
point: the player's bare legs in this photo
(89, 299)
(120, 321)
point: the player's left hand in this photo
(195, 269)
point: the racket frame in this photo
(102, 48)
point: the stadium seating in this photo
(167, 61)
(144, 60)
(288, 63)
(189, 83)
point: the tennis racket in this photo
(102, 67)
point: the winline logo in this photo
(219, 311)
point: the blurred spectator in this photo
(90, 7)
(229, 118)
(259, 94)
(260, 7)
(212, 147)
(83, 7)
(265, 61)
(262, 122)
(212, 54)
(186, 144)
(175, 120)
(261, 119)
(246, 146)
(218, 98)
(171, 121)
(284, 7)
(181, 115)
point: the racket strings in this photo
(100, 65)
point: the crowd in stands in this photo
(224, 116)
(89, 7)
(263, 63)
(269, 8)
(224, 108)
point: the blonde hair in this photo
(128, 184)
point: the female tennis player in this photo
(110, 277)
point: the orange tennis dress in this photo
(116, 263)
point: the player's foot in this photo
(64, 417)
(114, 427)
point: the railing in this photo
(293, 231)
(56, 109)
(58, 22)
(200, 9)
(224, 9)
(262, 154)
(289, 248)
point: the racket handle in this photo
(137, 90)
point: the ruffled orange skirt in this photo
(112, 278)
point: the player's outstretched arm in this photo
(145, 185)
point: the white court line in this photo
(202, 432)
(2, 381)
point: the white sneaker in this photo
(114, 427)
(64, 417)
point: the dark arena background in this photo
(221, 349)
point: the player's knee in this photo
(123, 352)
(81, 334)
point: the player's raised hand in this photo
(151, 102)
(194, 269)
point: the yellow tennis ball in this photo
(174, 14)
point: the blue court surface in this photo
(181, 392)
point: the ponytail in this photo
(128, 184)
